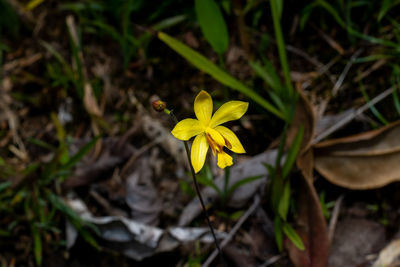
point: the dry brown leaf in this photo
(363, 161)
(389, 256)
(311, 228)
(90, 101)
(311, 222)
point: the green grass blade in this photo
(37, 245)
(169, 22)
(284, 202)
(396, 99)
(330, 9)
(242, 182)
(268, 74)
(207, 182)
(373, 109)
(203, 64)
(212, 24)
(386, 6)
(293, 236)
(278, 232)
(292, 154)
(81, 153)
(4, 185)
(58, 57)
(281, 46)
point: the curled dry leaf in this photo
(141, 196)
(311, 224)
(389, 256)
(134, 239)
(311, 228)
(363, 161)
(90, 101)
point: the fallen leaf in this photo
(389, 256)
(141, 195)
(354, 240)
(87, 172)
(137, 240)
(363, 161)
(311, 224)
(311, 228)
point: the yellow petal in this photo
(187, 128)
(224, 160)
(232, 139)
(198, 152)
(229, 111)
(216, 136)
(203, 107)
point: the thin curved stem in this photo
(196, 185)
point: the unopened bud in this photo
(159, 105)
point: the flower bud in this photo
(159, 105)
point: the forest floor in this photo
(90, 174)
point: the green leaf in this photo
(292, 154)
(81, 153)
(278, 232)
(4, 185)
(236, 215)
(58, 56)
(37, 245)
(386, 6)
(268, 74)
(284, 202)
(41, 143)
(169, 22)
(212, 24)
(276, 10)
(271, 78)
(242, 182)
(207, 182)
(372, 107)
(203, 64)
(186, 188)
(279, 7)
(293, 236)
(61, 134)
(74, 218)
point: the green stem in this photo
(196, 185)
(281, 47)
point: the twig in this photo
(321, 68)
(334, 218)
(332, 43)
(196, 185)
(346, 69)
(350, 117)
(235, 228)
(367, 72)
(271, 260)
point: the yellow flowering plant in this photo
(209, 132)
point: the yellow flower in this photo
(208, 131)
